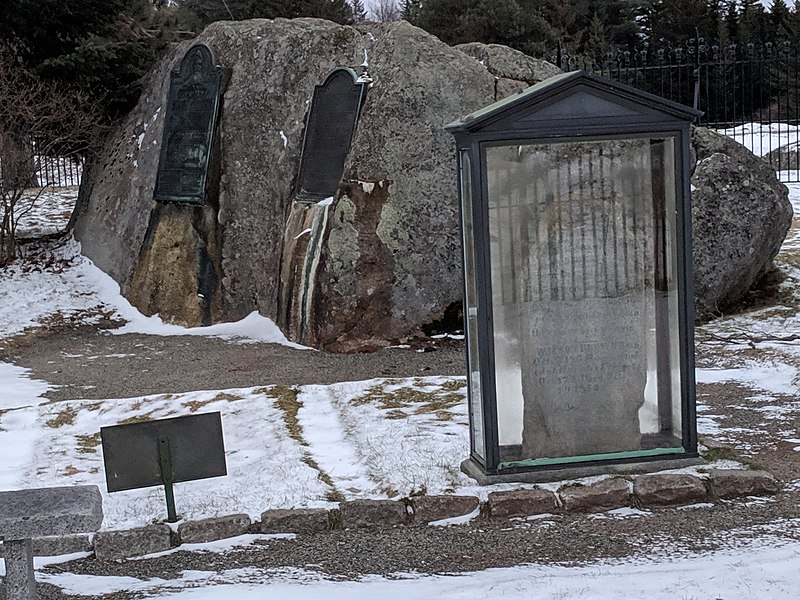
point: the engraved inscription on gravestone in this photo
(330, 127)
(190, 120)
(573, 298)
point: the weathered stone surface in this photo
(57, 545)
(732, 483)
(179, 265)
(111, 545)
(436, 508)
(20, 582)
(603, 495)
(785, 157)
(298, 520)
(391, 259)
(740, 214)
(662, 490)
(372, 513)
(521, 503)
(50, 511)
(216, 528)
(382, 259)
(507, 63)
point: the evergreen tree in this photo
(359, 12)
(779, 20)
(596, 46)
(199, 13)
(98, 48)
(409, 10)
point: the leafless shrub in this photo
(61, 122)
(386, 10)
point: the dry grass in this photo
(87, 444)
(137, 419)
(287, 402)
(65, 417)
(410, 399)
(195, 405)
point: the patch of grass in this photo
(721, 453)
(395, 415)
(65, 417)
(334, 495)
(453, 385)
(389, 491)
(87, 444)
(137, 419)
(286, 401)
(195, 405)
(70, 471)
(438, 402)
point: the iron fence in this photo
(56, 170)
(42, 169)
(750, 92)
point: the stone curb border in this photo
(652, 490)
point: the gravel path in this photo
(563, 540)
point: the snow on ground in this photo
(766, 568)
(52, 208)
(761, 139)
(293, 455)
(69, 287)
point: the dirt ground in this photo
(90, 362)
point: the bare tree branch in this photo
(386, 10)
(60, 122)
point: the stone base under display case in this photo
(567, 472)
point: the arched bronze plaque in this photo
(330, 127)
(192, 107)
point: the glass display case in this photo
(578, 312)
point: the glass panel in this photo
(471, 312)
(584, 298)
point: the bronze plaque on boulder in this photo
(330, 127)
(192, 107)
(134, 453)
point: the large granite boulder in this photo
(740, 216)
(382, 258)
(514, 70)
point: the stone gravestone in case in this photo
(190, 120)
(330, 127)
(575, 292)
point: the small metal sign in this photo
(330, 127)
(163, 452)
(191, 117)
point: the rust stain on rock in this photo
(352, 317)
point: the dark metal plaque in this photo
(330, 127)
(131, 452)
(191, 116)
